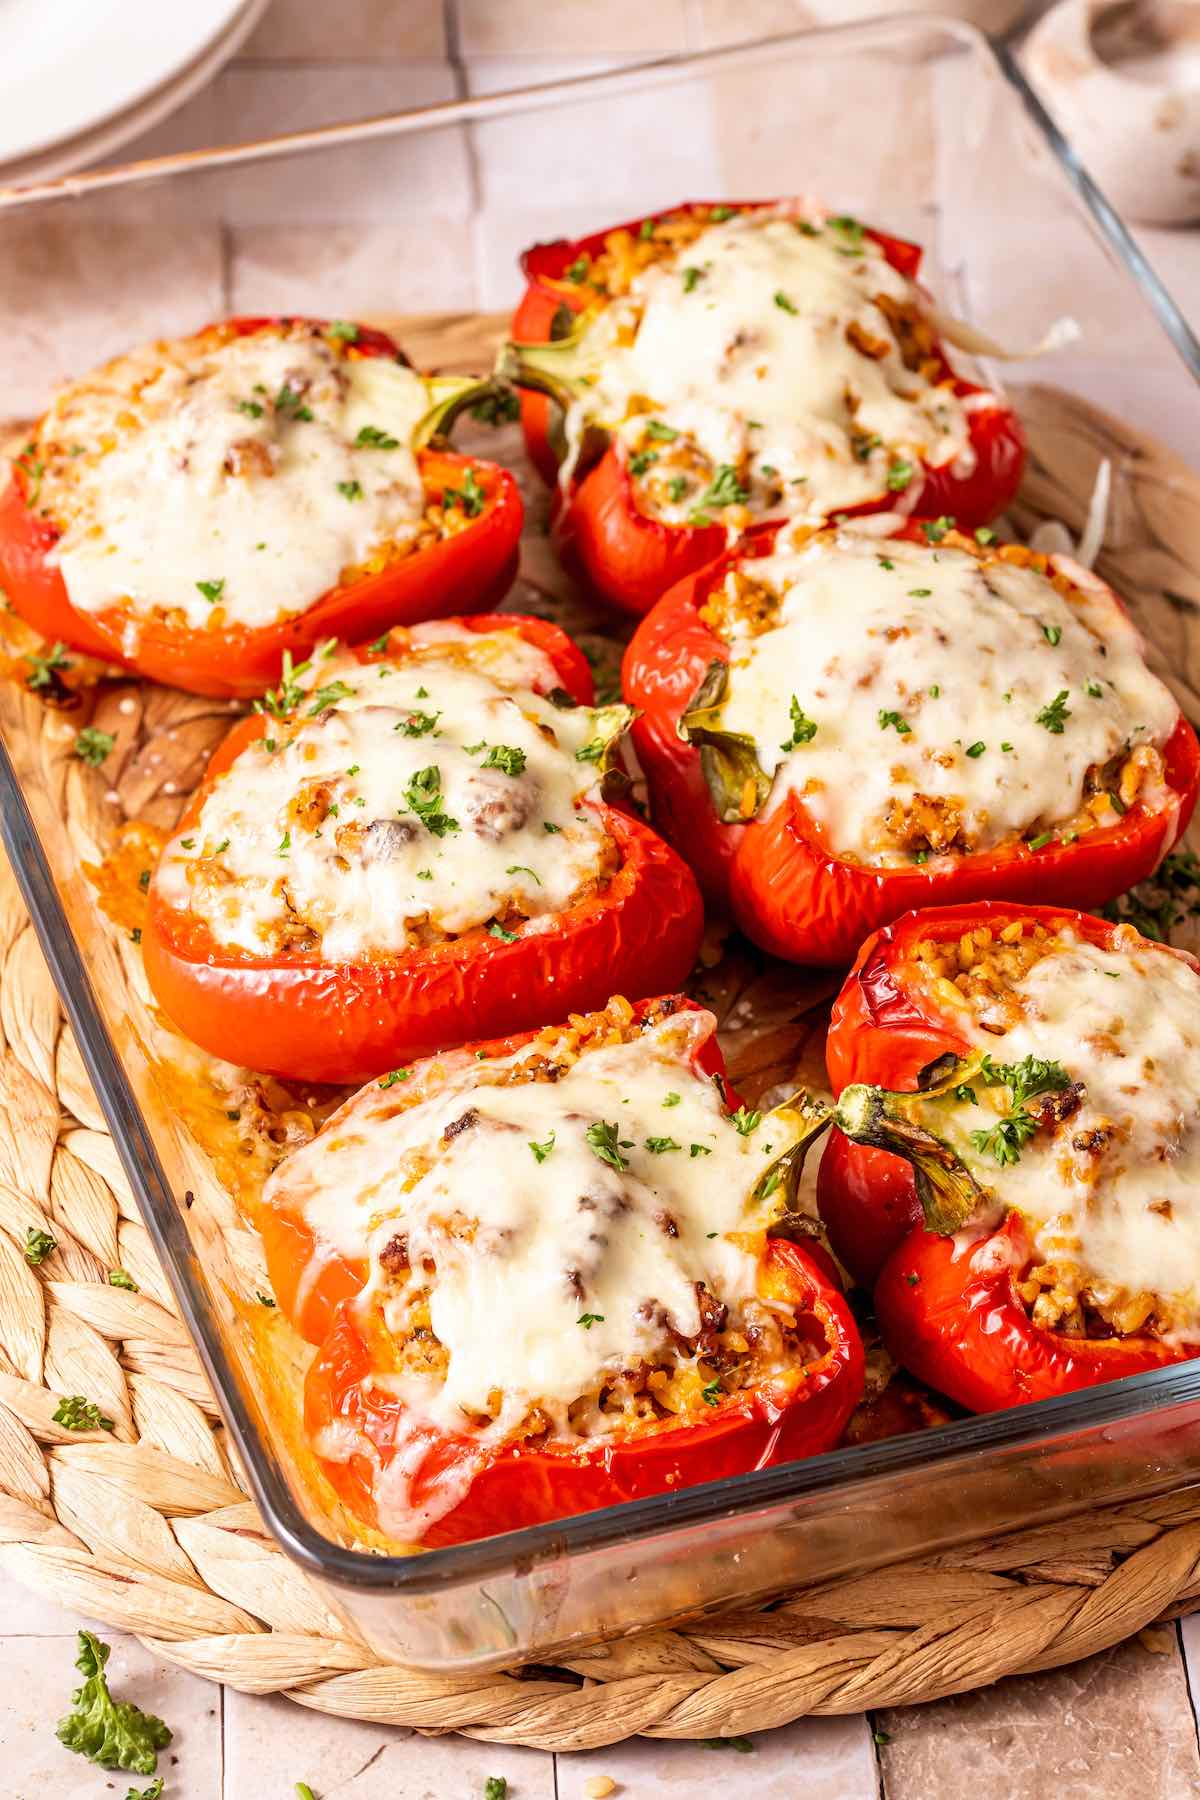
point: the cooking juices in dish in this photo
(200, 506)
(851, 725)
(413, 844)
(743, 365)
(552, 1275)
(1041, 1233)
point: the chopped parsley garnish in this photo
(33, 471)
(700, 1150)
(639, 463)
(1055, 715)
(603, 1141)
(116, 1734)
(541, 1151)
(554, 830)
(350, 490)
(221, 847)
(724, 489)
(506, 757)
(1052, 635)
(691, 275)
(934, 691)
(1094, 690)
(1167, 898)
(699, 519)
(469, 498)
(211, 590)
(497, 930)
(418, 724)
(849, 228)
(395, 1076)
(666, 434)
(1033, 1075)
(343, 331)
(93, 745)
(1043, 838)
(381, 643)
(885, 562)
(371, 437)
(899, 475)
(577, 271)
(78, 1414)
(328, 696)
(984, 535)
(677, 488)
(719, 214)
(919, 593)
(38, 1246)
(646, 230)
(188, 843)
(288, 695)
(783, 303)
(587, 1320)
(659, 1145)
(976, 749)
(895, 719)
(423, 796)
(672, 1100)
(523, 869)
(1006, 747)
(285, 843)
(804, 729)
(43, 669)
(251, 408)
(710, 1393)
(936, 529)
(135, 936)
(291, 404)
(744, 1121)
(121, 1278)
(863, 444)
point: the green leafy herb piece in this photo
(672, 1100)
(43, 670)
(691, 276)
(469, 498)
(116, 1734)
(1033, 1075)
(885, 562)
(251, 408)
(1055, 715)
(936, 529)
(343, 331)
(423, 796)
(506, 757)
(372, 437)
(328, 696)
(33, 470)
(742, 1745)
(700, 1150)
(848, 228)
(263, 1299)
(587, 1320)
(496, 930)
(899, 474)
(541, 1151)
(523, 869)
(744, 1121)
(658, 1146)
(395, 1076)
(418, 724)
(554, 830)
(381, 643)
(38, 1246)
(984, 535)
(919, 593)
(783, 303)
(639, 463)
(93, 745)
(153, 1792)
(285, 843)
(602, 1139)
(710, 1393)
(724, 489)
(1166, 899)
(304, 1792)
(350, 490)
(80, 1414)
(666, 434)
(291, 404)
(1052, 635)
(121, 1278)
(896, 720)
(1094, 690)
(577, 271)
(976, 749)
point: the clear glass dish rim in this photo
(427, 1572)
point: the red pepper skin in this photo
(310, 1282)
(885, 1030)
(472, 570)
(782, 1421)
(786, 891)
(301, 1018)
(630, 559)
(952, 1315)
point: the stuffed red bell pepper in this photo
(553, 1274)
(199, 507)
(851, 725)
(1019, 1157)
(409, 845)
(716, 368)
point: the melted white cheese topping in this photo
(958, 659)
(1127, 1024)
(236, 465)
(741, 344)
(438, 788)
(528, 1242)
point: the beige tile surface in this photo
(347, 31)
(580, 27)
(819, 1759)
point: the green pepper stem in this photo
(896, 1122)
(811, 1119)
(449, 397)
(728, 759)
(551, 368)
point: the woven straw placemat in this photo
(148, 1527)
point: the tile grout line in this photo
(880, 1783)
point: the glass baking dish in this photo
(917, 125)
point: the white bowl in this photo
(1123, 83)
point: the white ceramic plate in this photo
(79, 76)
